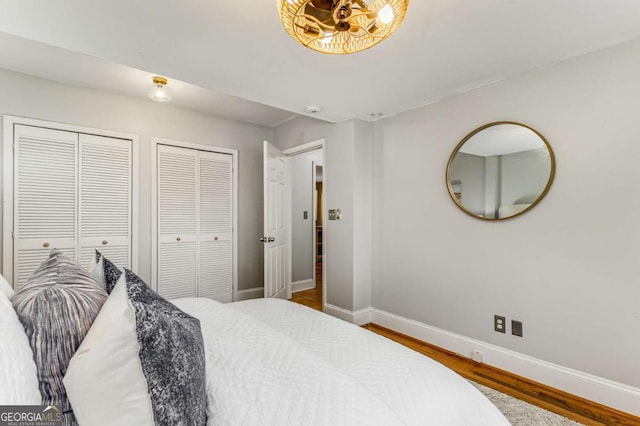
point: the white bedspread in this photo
(272, 362)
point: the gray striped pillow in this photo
(56, 307)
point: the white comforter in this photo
(272, 362)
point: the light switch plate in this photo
(305, 215)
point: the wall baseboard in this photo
(303, 285)
(250, 293)
(361, 317)
(607, 392)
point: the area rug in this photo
(521, 413)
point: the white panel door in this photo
(177, 170)
(215, 257)
(105, 199)
(45, 201)
(277, 192)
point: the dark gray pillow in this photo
(171, 355)
(110, 272)
(57, 307)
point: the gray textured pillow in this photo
(57, 307)
(171, 355)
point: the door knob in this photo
(105, 242)
(178, 238)
(263, 239)
(45, 245)
(270, 239)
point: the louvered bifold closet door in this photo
(177, 221)
(216, 227)
(45, 202)
(105, 199)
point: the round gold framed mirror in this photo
(500, 170)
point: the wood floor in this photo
(311, 298)
(570, 406)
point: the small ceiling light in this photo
(159, 91)
(341, 26)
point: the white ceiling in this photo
(34, 58)
(239, 47)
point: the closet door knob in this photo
(215, 238)
(105, 242)
(45, 245)
(178, 239)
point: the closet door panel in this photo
(177, 222)
(45, 202)
(216, 274)
(215, 226)
(105, 198)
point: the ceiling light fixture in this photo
(159, 91)
(341, 26)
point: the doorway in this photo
(307, 228)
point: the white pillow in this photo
(107, 360)
(96, 270)
(5, 287)
(108, 380)
(18, 374)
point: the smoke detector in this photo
(313, 109)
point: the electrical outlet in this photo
(499, 324)
(516, 328)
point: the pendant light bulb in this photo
(159, 91)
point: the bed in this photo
(105, 349)
(280, 363)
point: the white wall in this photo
(568, 269)
(33, 97)
(303, 190)
(362, 207)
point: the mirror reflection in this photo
(500, 170)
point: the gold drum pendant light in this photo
(341, 26)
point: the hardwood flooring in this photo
(311, 298)
(570, 406)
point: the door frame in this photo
(314, 203)
(155, 141)
(9, 122)
(300, 149)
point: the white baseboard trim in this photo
(302, 285)
(607, 392)
(250, 293)
(363, 316)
